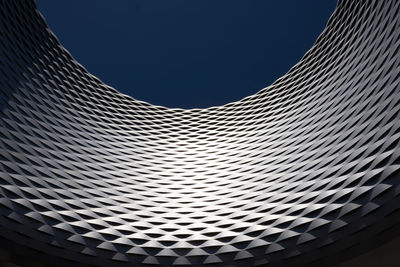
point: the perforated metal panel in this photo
(296, 174)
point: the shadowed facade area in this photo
(303, 173)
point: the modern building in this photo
(306, 172)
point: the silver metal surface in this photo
(297, 174)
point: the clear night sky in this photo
(187, 53)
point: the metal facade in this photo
(303, 172)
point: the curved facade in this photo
(305, 172)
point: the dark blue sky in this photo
(187, 53)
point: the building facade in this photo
(306, 172)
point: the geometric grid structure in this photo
(295, 174)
